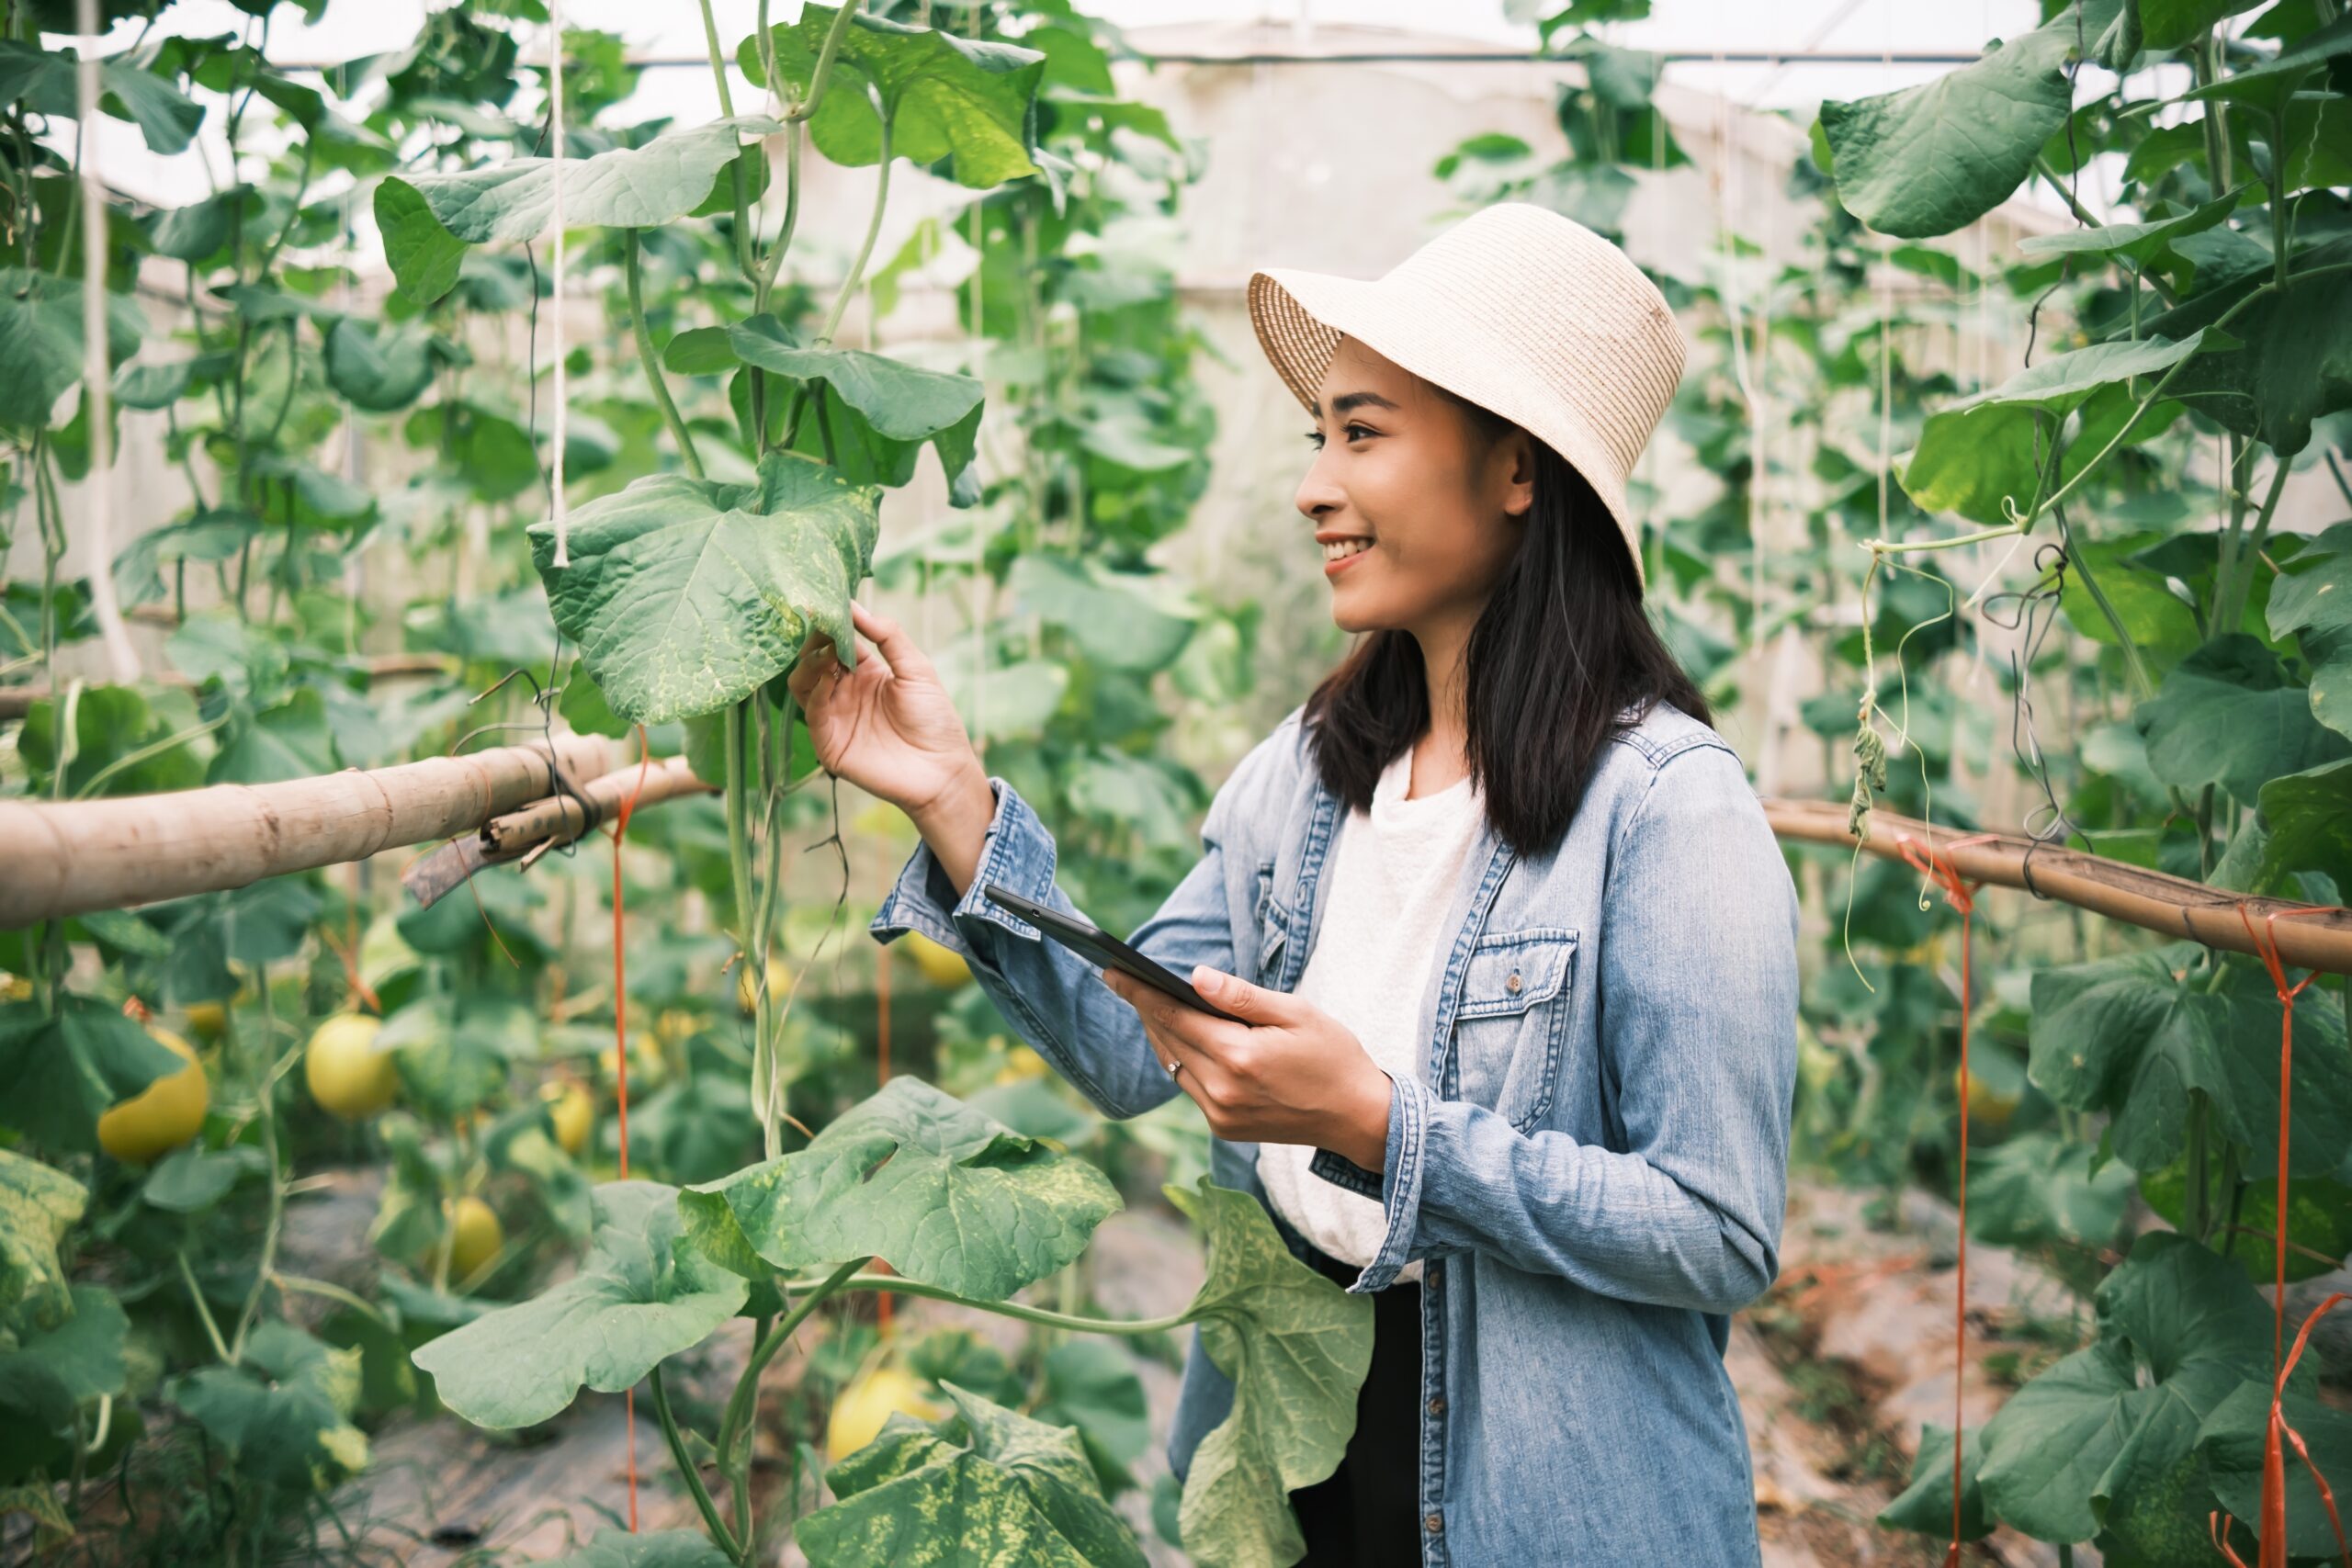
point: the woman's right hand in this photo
(887, 726)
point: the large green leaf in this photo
(2310, 600)
(2140, 243)
(1297, 1348)
(43, 80)
(1127, 620)
(1091, 1384)
(970, 101)
(654, 1549)
(2096, 1444)
(508, 203)
(638, 1299)
(2038, 1187)
(2226, 715)
(378, 366)
(37, 1207)
(424, 257)
(2319, 1219)
(284, 1411)
(687, 595)
(113, 725)
(1017, 1491)
(2230, 1442)
(1983, 451)
(286, 740)
(64, 1072)
(2274, 83)
(2296, 362)
(1928, 160)
(2168, 24)
(2158, 619)
(47, 1377)
(41, 342)
(2125, 1036)
(1925, 1504)
(918, 1179)
(79, 1358)
(882, 411)
(2307, 823)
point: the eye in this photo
(1351, 429)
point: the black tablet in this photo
(1106, 950)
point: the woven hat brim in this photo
(1300, 317)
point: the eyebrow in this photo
(1349, 401)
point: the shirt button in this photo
(1434, 1523)
(1513, 983)
(1437, 1406)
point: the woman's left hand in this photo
(1292, 1073)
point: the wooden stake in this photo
(114, 854)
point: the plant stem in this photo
(743, 258)
(2235, 580)
(825, 71)
(204, 1313)
(652, 363)
(2200, 1202)
(692, 1471)
(739, 1478)
(266, 1085)
(750, 940)
(865, 249)
(2132, 659)
(736, 1422)
(895, 1285)
(2205, 63)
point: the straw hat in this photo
(1517, 308)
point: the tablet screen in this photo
(1106, 950)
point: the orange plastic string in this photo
(1961, 893)
(620, 1053)
(2326, 1493)
(2217, 1529)
(2273, 1523)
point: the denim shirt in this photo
(1592, 1165)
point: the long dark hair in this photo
(1561, 649)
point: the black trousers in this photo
(1366, 1514)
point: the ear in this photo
(1515, 462)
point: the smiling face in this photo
(1416, 509)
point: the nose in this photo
(1319, 495)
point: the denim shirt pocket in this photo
(1273, 926)
(1511, 1020)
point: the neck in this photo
(1446, 746)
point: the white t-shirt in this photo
(1393, 871)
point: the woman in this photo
(1515, 948)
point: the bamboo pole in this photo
(2171, 905)
(544, 825)
(58, 860)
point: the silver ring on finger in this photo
(1173, 1066)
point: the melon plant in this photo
(690, 596)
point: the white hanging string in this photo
(1876, 252)
(980, 584)
(554, 299)
(1654, 521)
(98, 367)
(1727, 188)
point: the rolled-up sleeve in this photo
(1048, 992)
(1697, 1029)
